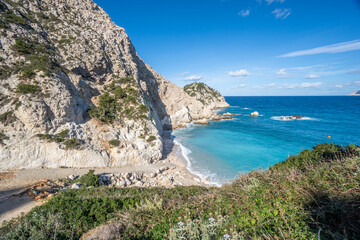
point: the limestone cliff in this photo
(75, 93)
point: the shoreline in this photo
(15, 185)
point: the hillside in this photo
(312, 195)
(74, 92)
(205, 94)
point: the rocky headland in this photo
(74, 92)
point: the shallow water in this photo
(223, 149)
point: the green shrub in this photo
(27, 88)
(89, 179)
(151, 138)
(115, 142)
(71, 143)
(118, 103)
(7, 118)
(283, 202)
(22, 47)
(11, 17)
(3, 137)
(63, 134)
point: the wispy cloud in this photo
(312, 76)
(334, 48)
(274, 1)
(281, 13)
(354, 71)
(301, 85)
(270, 85)
(348, 84)
(290, 85)
(244, 13)
(235, 87)
(183, 73)
(194, 78)
(242, 73)
(282, 74)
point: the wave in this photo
(292, 118)
(185, 153)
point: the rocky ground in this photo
(21, 190)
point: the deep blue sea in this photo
(223, 149)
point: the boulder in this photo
(75, 186)
(254, 114)
(203, 121)
(228, 114)
(73, 177)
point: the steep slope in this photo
(75, 93)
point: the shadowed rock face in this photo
(66, 53)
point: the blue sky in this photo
(248, 47)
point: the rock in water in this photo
(254, 114)
(203, 121)
(82, 59)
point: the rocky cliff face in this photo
(75, 93)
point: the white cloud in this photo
(274, 1)
(244, 13)
(301, 85)
(354, 71)
(270, 85)
(194, 78)
(236, 87)
(334, 48)
(348, 84)
(312, 76)
(281, 13)
(242, 73)
(282, 74)
(183, 73)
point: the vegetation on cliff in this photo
(312, 195)
(201, 92)
(119, 101)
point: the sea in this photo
(223, 150)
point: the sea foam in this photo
(291, 118)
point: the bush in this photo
(27, 88)
(151, 138)
(89, 179)
(72, 143)
(117, 103)
(22, 47)
(7, 118)
(279, 203)
(3, 137)
(115, 142)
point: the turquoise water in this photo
(223, 149)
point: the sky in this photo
(248, 47)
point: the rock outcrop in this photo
(75, 93)
(206, 95)
(356, 93)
